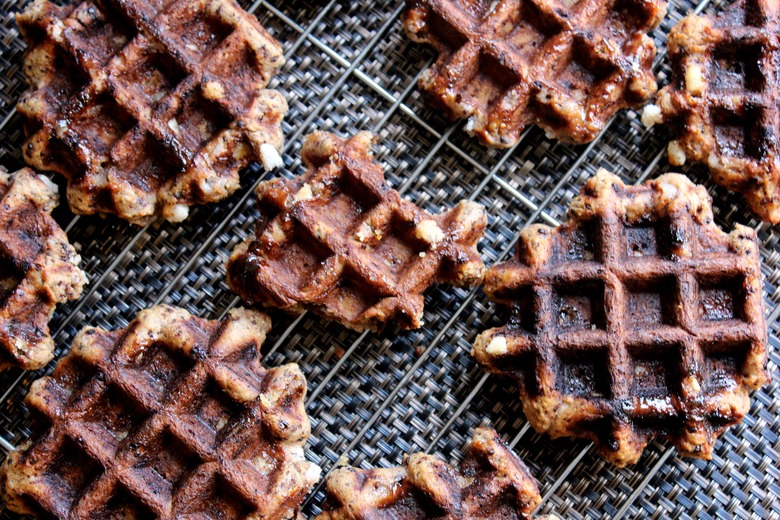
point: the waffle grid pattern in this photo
(375, 397)
(722, 82)
(148, 81)
(565, 66)
(612, 355)
(490, 483)
(338, 241)
(173, 416)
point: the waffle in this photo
(38, 269)
(148, 107)
(172, 417)
(492, 483)
(565, 66)
(339, 241)
(637, 318)
(721, 105)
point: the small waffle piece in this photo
(721, 105)
(149, 107)
(637, 318)
(339, 241)
(172, 417)
(565, 66)
(492, 483)
(38, 269)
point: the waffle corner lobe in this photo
(492, 482)
(565, 66)
(171, 417)
(721, 104)
(339, 241)
(636, 318)
(148, 109)
(38, 269)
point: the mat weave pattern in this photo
(372, 397)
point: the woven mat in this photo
(374, 397)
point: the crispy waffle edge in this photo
(714, 122)
(492, 482)
(510, 88)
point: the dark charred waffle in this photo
(339, 241)
(149, 107)
(721, 105)
(38, 269)
(172, 417)
(565, 66)
(637, 318)
(492, 483)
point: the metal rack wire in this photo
(374, 397)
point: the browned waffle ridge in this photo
(339, 241)
(721, 104)
(636, 318)
(492, 483)
(149, 107)
(565, 66)
(172, 417)
(38, 269)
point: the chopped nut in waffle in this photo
(149, 107)
(565, 66)
(637, 318)
(492, 483)
(721, 104)
(172, 417)
(339, 241)
(38, 269)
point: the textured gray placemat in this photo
(374, 397)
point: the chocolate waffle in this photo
(38, 269)
(637, 318)
(339, 241)
(172, 417)
(492, 483)
(149, 107)
(565, 66)
(721, 104)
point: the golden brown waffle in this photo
(565, 66)
(339, 241)
(38, 269)
(149, 107)
(492, 483)
(721, 104)
(172, 417)
(637, 318)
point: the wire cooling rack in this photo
(374, 397)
